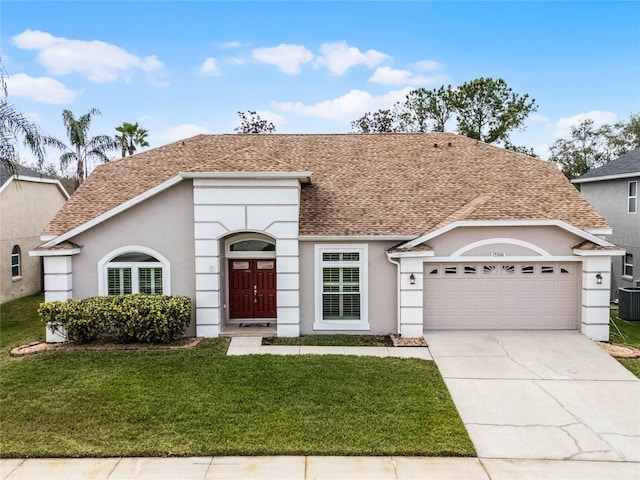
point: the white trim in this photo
(504, 241)
(22, 178)
(355, 238)
(606, 177)
(54, 253)
(162, 261)
(599, 231)
(416, 254)
(507, 223)
(302, 177)
(363, 265)
(598, 253)
(634, 197)
(114, 211)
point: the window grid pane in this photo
(119, 281)
(150, 281)
(16, 269)
(340, 287)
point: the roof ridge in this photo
(467, 209)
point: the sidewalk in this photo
(253, 346)
(313, 468)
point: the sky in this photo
(184, 68)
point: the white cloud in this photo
(346, 108)
(99, 61)
(394, 76)
(210, 67)
(180, 132)
(563, 126)
(40, 89)
(233, 44)
(426, 65)
(542, 150)
(235, 60)
(286, 57)
(536, 117)
(339, 57)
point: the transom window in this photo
(627, 265)
(16, 262)
(633, 197)
(341, 287)
(252, 246)
(135, 272)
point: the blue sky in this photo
(183, 68)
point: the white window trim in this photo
(18, 264)
(105, 263)
(624, 267)
(629, 196)
(363, 264)
(248, 236)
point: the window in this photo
(128, 272)
(546, 269)
(469, 270)
(633, 197)
(16, 262)
(341, 295)
(627, 265)
(527, 269)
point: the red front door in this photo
(252, 288)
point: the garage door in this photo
(501, 296)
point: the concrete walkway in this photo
(312, 468)
(540, 395)
(253, 346)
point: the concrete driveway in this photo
(540, 395)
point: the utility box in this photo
(629, 304)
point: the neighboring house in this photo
(613, 190)
(338, 234)
(28, 202)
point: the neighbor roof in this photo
(375, 184)
(624, 166)
(22, 171)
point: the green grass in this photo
(201, 402)
(19, 323)
(630, 336)
(331, 340)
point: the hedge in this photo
(131, 318)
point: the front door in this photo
(252, 288)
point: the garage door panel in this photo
(501, 296)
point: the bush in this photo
(131, 318)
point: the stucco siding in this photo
(25, 210)
(163, 223)
(610, 199)
(382, 289)
(553, 240)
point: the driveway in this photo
(540, 395)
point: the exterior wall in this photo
(382, 289)
(163, 223)
(610, 199)
(554, 240)
(223, 207)
(25, 210)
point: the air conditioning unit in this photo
(629, 304)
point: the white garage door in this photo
(501, 296)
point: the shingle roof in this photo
(378, 184)
(627, 163)
(24, 171)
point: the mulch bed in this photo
(101, 344)
(619, 351)
(399, 341)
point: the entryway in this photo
(252, 290)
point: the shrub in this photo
(131, 318)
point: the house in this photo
(613, 190)
(343, 233)
(28, 202)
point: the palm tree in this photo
(16, 128)
(131, 136)
(82, 147)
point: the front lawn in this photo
(201, 402)
(630, 336)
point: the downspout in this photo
(397, 264)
